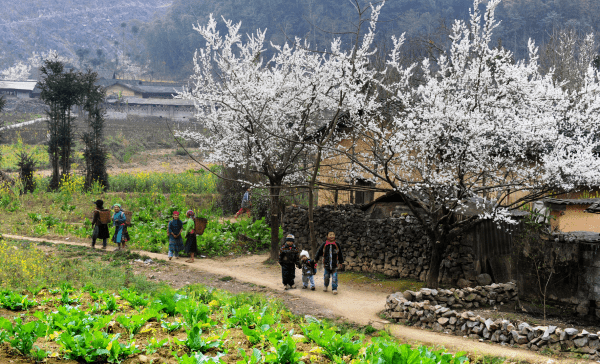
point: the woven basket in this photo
(128, 215)
(104, 216)
(200, 225)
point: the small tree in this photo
(60, 90)
(26, 166)
(94, 153)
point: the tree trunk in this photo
(275, 243)
(437, 254)
(311, 202)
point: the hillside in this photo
(94, 29)
(160, 32)
(171, 41)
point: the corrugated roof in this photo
(164, 102)
(571, 201)
(171, 90)
(18, 85)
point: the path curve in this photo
(354, 305)
(20, 125)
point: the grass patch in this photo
(226, 279)
(27, 267)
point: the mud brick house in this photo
(569, 215)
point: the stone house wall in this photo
(395, 246)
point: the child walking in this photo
(309, 269)
(174, 231)
(332, 257)
(288, 259)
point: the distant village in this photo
(123, 97)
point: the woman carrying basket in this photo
(100, 222)
(119, 220)
(191, 246)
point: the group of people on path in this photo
(100, 220)
(175, 230)
(291, 258)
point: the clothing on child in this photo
(309, 269)
(331, 252)
(288, 259)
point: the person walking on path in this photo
(288, 259)
(191, 246)
(245, 204)
(119, 219)
(332, 258)
(100, 224)
(309, 269)
(174, 231)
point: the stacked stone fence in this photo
(395, 246)
(440, 310)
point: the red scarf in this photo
(327, 242)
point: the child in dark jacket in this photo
(332, 258)
(288, 259)
(309, 269)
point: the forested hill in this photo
(171, 41)
(159, 32)
(71, 25)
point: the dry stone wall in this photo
(395, 246)
(447, 311)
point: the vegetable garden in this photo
(87, 323)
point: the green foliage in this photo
(95, 346)
(133, 323)
(195, 342)
(171, 326)
(21, 336)
(384, 351)
(14, 301)
(335, 344)
(191, 181)
(134, 299)
(255, 358)
(154, 344)
(194, 312)
(200, 358)
(285, 352)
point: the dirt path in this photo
(352, 304)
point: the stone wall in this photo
(395, 246)
(431, 309)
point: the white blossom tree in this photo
(19, 72)
(481, 129)
(259, 112)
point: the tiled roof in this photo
(571, 201)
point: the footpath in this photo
(356, 305)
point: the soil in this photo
(355, 303)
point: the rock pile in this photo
(457, 298)
(440, 310)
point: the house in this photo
(167, 108)
(574, 214)
(19, 89)
(139, 89)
